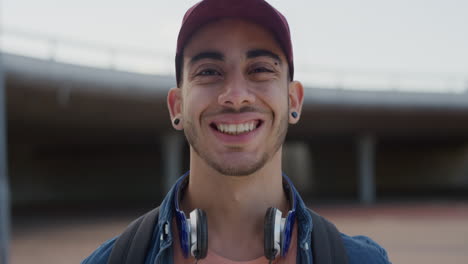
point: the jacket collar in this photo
(170, 203)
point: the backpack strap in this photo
(327, 244)
(133, 243)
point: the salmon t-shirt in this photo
(213, 258)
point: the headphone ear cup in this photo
(202, 234)
(269, 234)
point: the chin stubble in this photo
(226, 169)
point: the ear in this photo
(174, 104)
(296, 98)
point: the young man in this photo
(234, 100)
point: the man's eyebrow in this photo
(214, 55)
(262, 52)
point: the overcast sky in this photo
(395, 35)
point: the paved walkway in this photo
(426, 234)
(412, 233)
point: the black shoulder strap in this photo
(327, 244)
(132, 244)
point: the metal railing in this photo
(74, 51)
(69, 50)
(354, 79)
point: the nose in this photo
(236, 93)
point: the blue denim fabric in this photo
(360, 249)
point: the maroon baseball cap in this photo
(257, 11)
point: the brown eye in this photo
(208, 72)
(261, 70)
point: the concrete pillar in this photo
(366, 159)
(4, 185)
(172, 155)
(298, 165)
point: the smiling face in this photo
(234, 97)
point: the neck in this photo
(235, 205)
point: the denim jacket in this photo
(360, 249)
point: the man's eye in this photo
(260, 70)
(208, 72)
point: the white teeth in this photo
(234, 129)
(240, 128)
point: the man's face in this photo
(234, 96)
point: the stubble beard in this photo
(223, 167)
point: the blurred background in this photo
(381, 149)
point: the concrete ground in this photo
(429, 233)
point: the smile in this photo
(237, 129)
